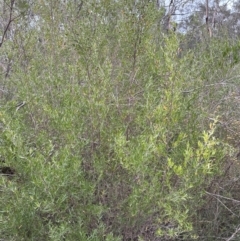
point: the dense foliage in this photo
(113, 128)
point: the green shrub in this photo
(113, 142)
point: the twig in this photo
(227, 208)
(217, 195)
(9, 22)
(20, 105)
(236, 231)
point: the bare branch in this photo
(217, 195)
(9, 22)
(233, 235)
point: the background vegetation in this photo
(118, 122)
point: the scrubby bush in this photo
(116, 139)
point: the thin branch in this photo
(217, 195)
(223, 82)
(233, 235)
(9, 22)
(227, 207)
(207, 20)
